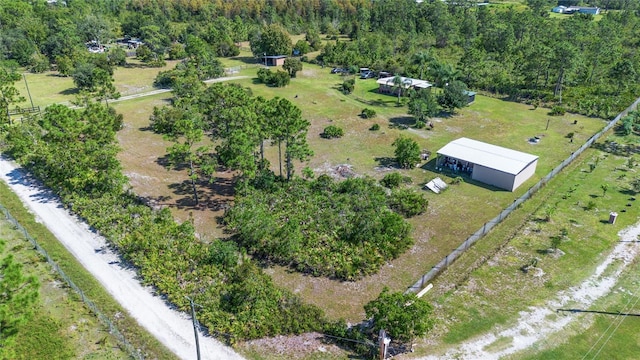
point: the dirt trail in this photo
(540, 323)
(172, 328)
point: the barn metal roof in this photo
(487, 155)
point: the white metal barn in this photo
(490, 164)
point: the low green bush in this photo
(342, 229)
(368, 113)
(557, 110)
(394, 179)
(332, 131)
(408, 202)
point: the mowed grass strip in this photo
(452, 216)
(485, 287)
(133, 332)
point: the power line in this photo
(607, 330)
(616, 328)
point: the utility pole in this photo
(195, 325)
(383, 342)
(28, 92)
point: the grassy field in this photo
(64, 328)
(465, 207)
(48, 88)
(486, 286)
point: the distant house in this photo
(129, 42)
(94, 47)
(576, 9)
(588, 10)
(386, 85)
(273, 60)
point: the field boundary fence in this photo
(236, 69)
(113, 330)
(480, 233)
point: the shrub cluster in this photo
(557, 110)
(339, 229)
(277, 78)
(394, 179)
(332, 131)
(348, 86)
(368, 113)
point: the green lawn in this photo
(486, 286)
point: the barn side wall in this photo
(493, 177)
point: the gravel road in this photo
(172, 328)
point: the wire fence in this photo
(480, 233)
(236, 69)
(113, 330)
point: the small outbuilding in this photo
(487, 163)
(273, 60)
(471, 96)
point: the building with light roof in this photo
(487, 163)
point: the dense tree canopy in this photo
(514, 50)
(403, 316)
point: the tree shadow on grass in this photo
(165, 162)
(402, 122)
(214, 196)
(375, 102)
(70, 91)
(387, 161)
(248, 60)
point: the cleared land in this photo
(496, 293)
(451, 217)
(486, 288)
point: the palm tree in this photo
(398, 82)
(422, 59)
(444, 74)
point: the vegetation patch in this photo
(339, 229)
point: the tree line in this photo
(585, 64)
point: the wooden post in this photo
(381, 336)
